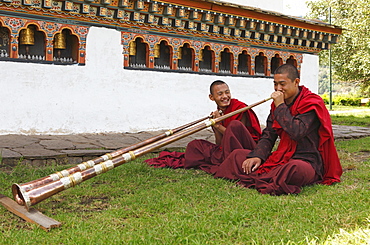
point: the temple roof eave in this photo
(228, 22)
(263, 14)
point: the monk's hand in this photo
(216, 114)
(278, 97)
(251, 164)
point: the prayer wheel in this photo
(132, 48)
(179, 54)
(60, 41)
(157, 51)
(27, 36)
(201, 55)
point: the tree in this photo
(351, 56)
(323, 80)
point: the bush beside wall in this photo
(344, 99)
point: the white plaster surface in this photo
(103, 97)
(310, 72)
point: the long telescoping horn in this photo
(88, 164)
(36, 195)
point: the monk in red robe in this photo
(306, 152)
(240, 131)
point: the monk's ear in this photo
(211, 97)
(297, 81)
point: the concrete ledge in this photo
(44, 150)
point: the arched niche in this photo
(65, 47)
(226, 61)
(244, 63)
(276, 61)
(31, 43)
(162, 55)
(206, 60)
(291, 61)
(260, 64)
(138, 53)
(4, 42)
(186, 57)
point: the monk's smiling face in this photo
(289, 88)
(221, 95)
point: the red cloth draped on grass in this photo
(167, 159)
(176, 159)
(307, 101)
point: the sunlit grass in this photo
(355, 236)
(347, 108)
(356, 111)
(350, 120)
(137, 204)
(350, 116)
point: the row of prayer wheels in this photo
(27, 37)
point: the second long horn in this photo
(36, 195)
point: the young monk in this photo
(221, 95)
(306, 153)
(240, 131)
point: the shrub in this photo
(325, 97)
(347, 100)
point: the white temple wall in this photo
(103, 97)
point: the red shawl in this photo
(253, 125)
(307, 101)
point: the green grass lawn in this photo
(137, 204)
(351, 116)
(351, 120)
(354, 109)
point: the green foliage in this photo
(325, 98)
(351, 56)
(324, 82)
(346, 100)
(342, 99)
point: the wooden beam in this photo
(32, 215)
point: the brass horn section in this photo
(36, 195)
(25, 187)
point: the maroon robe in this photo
(306, 152)
(206, 155)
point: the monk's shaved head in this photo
(217, 82)
(290, 70)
